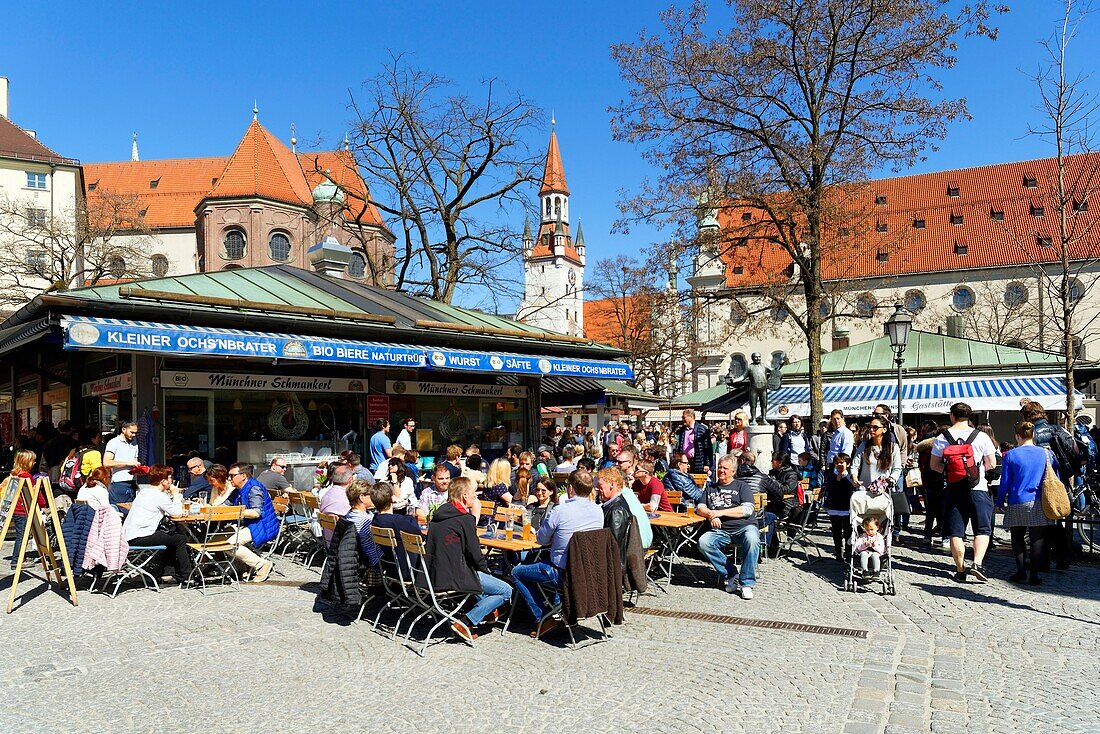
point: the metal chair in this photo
(444, 606)
(214, 551)
(297, 524)
(799, 532)
(134, 567)
(328, 522)
(394, 584)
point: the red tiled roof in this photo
(614, 321)
(15, 142)
(542, 250)
(339, 167)
(262, 166)
(969, 215)
(181, 184)
(553, 173)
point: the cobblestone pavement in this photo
(938, 657)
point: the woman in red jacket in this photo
(22, 464)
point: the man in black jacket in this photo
(762, 483)
(455, 561)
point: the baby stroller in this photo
(879, 505)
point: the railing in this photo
(35, 157)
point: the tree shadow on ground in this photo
(970, 593)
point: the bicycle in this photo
(1086, 513)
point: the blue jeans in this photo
(527, 576)
(495, 593)
(770, 537)
(121, 492)
(713, 542)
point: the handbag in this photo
(913, 478)
(901, 503)
(1055, 498)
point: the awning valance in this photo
(925, 395)
(83, 332)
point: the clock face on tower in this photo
(572, 277)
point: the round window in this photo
(234, 244)
(915, 301)
(279, 245)
(159, 265)
(963, 298)
(1015, 294)
(866, 304)
(357, 266)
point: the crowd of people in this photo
(581, 479)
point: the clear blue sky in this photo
(184, 75)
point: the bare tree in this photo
(784, 114)
(1070, 257)
(451, 173)
(101, 238)
(1001, 315)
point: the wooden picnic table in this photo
(678, 529)
(516, 544)
(674, 520)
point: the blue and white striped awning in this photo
(925, 395)
(82, 332)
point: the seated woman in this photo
(522, 486)
(403, 491)
(154, 502)
(474, 469)
(94, 491)
(497, 482)
(546, 496)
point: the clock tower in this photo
(553, 260)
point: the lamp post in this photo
(897, 328)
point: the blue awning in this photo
(142, 336)
(83, 332)
(467, 361)
(925, 395)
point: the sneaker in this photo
(262, 573)
(731, 586)
(462, 629)
(979, 573)
(960, 576)
(746, 592)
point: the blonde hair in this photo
(23, 462)
(459, 486)
(611, 474)
(500, 472)
(453, 452)
(523, 485)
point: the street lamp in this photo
(897, 328)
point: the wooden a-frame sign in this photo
(56, 565)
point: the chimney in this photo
(841, 339)
(329, 257)
(955, 326)
(3, 96)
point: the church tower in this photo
(553, 260)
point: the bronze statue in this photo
(759, 380)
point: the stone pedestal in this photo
(760, 441)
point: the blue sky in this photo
(184, 75)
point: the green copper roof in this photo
(699, 397)
(928, 354)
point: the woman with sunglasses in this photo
(403, 490)
(876, 457)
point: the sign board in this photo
(452, 359)
(453, 389)
(108, 385)
(140, 336)
(378, 406)
(258, 382)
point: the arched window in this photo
(117, 267)
(279, 246)
(548, 206)
(1076, 290)
(738, 315)
(234, 243)
(159, 265)
(357, 266)
(779, 314)
(557, 207)
(738, 365)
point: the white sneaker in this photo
(746, 592)
(731, 586)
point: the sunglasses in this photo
(230, 476)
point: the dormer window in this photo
(997, 215)
(961, 248)
(882, 256)
(92, 186)
(738, 269)
(741, 242)
(1044, 241)
(143, 212)
(1030, 182)
(843, 232)
(952, 191)
(1037, 210)
(1080, 206)
(746, 216)
(918, 222)
(880, 227)
(956, 219)
(154, 183)
(880, 199)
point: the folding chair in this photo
(297, 524)
(675, 498)
(394, 583)
(215, 552)
(799, 532)
(442, 605)
(328, 522)
(268, 549)
(134, 567)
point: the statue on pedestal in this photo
(759, 379)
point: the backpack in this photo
(1071, 452)
(71, 478)
(960, 466)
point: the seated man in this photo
(362, 515)
(434, 496)
(576, 514)
(334, 498)
(648, 488)
(728, 507)
(455, 560)
(259, 524)
(196, 469)
(567, 455)
(381, 495)
(761, 483)
(617, 517)
(274, 477)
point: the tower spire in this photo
(553, 172)
(134, 149)
(255, 110)
(293, 138)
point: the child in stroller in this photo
(875, 504)
(870, 547)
